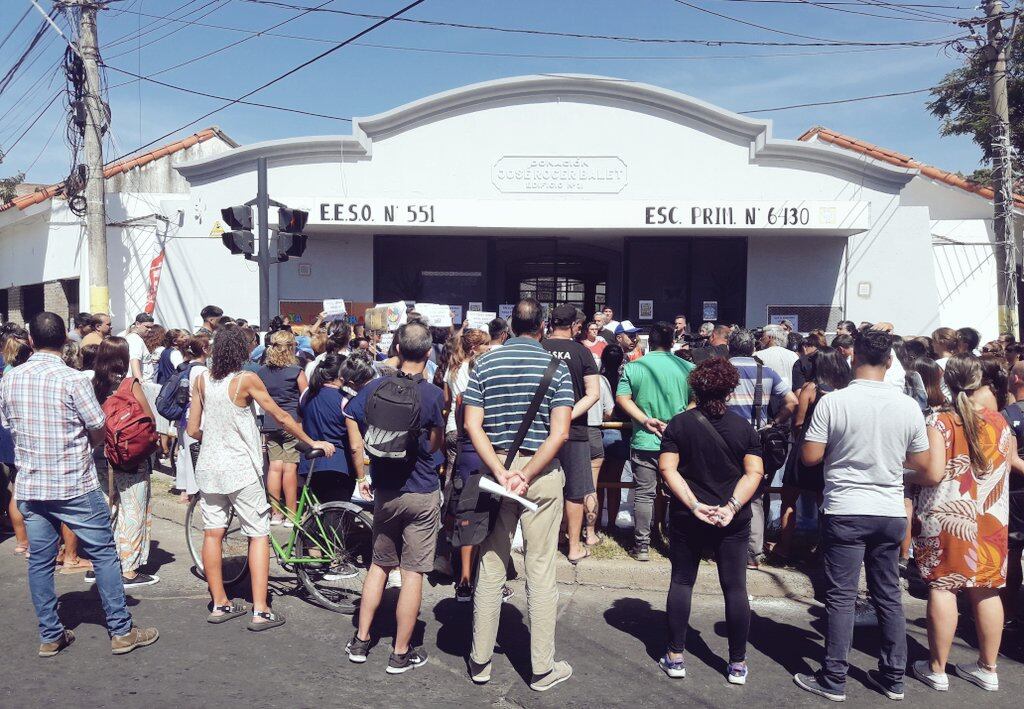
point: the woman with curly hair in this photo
(962, 521)
(286, 381)
(230, 468)
(711, 462)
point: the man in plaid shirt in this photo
(55, 420)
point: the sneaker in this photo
(140, 580)
(507, 593)
(464, 593)
(922, 669)
(641, 552)
(973, 673)
(676, 669)
(90, 577)
(737, 673)
(560, 672)
(357, 649)
(136, 637)
(480, 674)
(341, 572)
(810, 683)
(892, 690)
(624, 520)
(864, 615)
(415, 657)
(51, 649)
(276, 520)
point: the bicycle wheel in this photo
(343, 537)
(234, 549)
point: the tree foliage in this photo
(8, 185)
(961, 102)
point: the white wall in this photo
(341, 266)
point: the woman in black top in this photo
(711, 462)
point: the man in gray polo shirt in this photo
(501, 387)
(866, 434)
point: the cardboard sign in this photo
(505, 310)
(396, 314)
(646, 310)
(385, 342)
(476, 305)
(334, 309)
(479, 319)
(436, 315)
(456, 314)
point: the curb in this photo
(624, 574)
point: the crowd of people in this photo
(907, 447)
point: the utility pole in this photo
(996, 52)
(95, 192)
(263, 257)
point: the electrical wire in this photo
(836, 101)
(937, 41)
(514, 55)
(281, 77)
(15, 26)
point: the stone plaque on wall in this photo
(559, 174)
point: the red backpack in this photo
(130, 434)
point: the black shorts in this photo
(574, 460)
(596, 443)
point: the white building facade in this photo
(569, 188)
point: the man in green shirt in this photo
(651, 390)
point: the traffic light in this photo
(240, 239)
(290, 239)
(292, 221)
(290, 245)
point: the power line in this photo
(830, 6)
(837, 101)
(620, 38)
(513, 55)
(222, 98)
(15, 26)
(288, 73)
(168, 35)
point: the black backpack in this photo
(393, 418)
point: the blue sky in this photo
(362, 80)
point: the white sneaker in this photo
(989, 681)
(938, 681)
(394, 579)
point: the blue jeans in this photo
(89, 518)
(849, 541)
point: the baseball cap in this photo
(627, 327)
(563, 315)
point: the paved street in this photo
(611, 637)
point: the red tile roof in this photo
(117, 168)
(893, 158)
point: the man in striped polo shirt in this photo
(501, 386)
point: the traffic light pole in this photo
(263, 257)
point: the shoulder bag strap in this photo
(755, 412)
(531, 412)
(717, 438)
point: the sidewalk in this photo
(609, 567)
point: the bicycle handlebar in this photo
(308, 451)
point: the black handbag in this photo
(774, 439)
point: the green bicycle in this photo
(328, 547)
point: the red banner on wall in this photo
(154, 281)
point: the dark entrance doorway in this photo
(553, 279)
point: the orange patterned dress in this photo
(962, 523)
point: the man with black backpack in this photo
(397, 421)
(518, 407)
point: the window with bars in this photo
(554, 290)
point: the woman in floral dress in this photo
(961, 528)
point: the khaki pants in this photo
(540, 536)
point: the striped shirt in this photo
(49, 408)
(773, 385)
(503, 383)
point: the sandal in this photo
(231, 610)
(599, 542)
(77, 566)
(576, 561)
(270, 620)
(21, 550)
